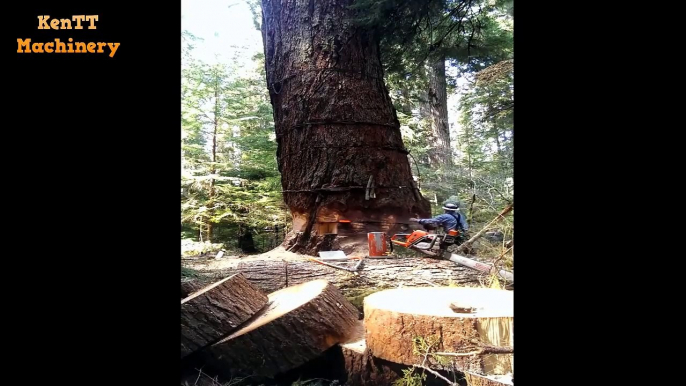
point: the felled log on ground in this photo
(397, 319)
(189, 286)
(490, 380)
(274, 274)
(299, 324)
(214, 311)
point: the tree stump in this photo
(398, 320)
(214, 311)
(299, 324)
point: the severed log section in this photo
(299, 324)
(489, 380)
(271, 275)
(214, 311)
(403, 324)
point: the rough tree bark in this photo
(441, 155)
(335, 124)
(211, 313)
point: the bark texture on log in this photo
(189, 286)
(271, 275)
(213, 312)
(300, 323)
(395, 318)
(335, 123)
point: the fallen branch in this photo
(483, 230)
(451, 383)
(497, 260)
(487, 268)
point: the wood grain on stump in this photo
(395, 318)
(216, 310)
(300, 323)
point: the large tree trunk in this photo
(300, 323)
(449, 320)
(335, 124)
(441, 153)
(214, 311)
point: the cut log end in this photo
(490, 380)
(299, 324)
(398, 321)
(211, 313)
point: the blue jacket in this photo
(447, 221)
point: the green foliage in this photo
(482, 139)
(474, 33)
(411, 378)
(230, 178)
(189, 273)
(487, 110)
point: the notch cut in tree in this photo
(214, 311)
(403, 325)
(335, 124)
(299, 324)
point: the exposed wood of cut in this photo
(300, 323)
(394, 318)
(271, 275)
(214, 311)
(490, 380)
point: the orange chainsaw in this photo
(430, 244)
